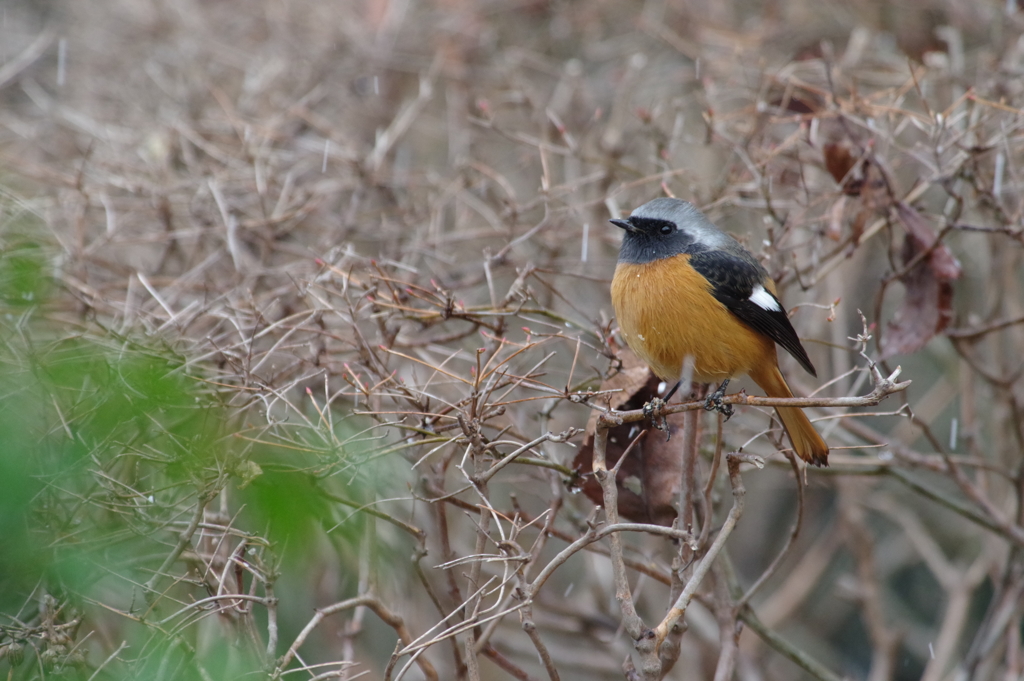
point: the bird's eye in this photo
(667, 229)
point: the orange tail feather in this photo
(806, 442)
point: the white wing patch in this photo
(764, 300)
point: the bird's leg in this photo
(714, 401)
(673, 391)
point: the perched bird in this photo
(683, 288)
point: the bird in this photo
(684, 288)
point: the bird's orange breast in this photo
(666, 312)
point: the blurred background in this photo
(285, 282)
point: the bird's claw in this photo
(653, 411)
(714, 401)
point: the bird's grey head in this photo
(666, 227)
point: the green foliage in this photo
(109, 447)
(289, 506)
(23, 278)
(101, 447)
(105, 453)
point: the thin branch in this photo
(373, 603)
(886, 387)
(787, 649)
(678, 609)
(790, 540)
(184, 538)
(631, 620)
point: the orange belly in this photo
(666, 312)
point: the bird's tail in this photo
(806, 442)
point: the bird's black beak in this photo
(624, 224)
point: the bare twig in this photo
(884, 388)
(373, 603)
(678, 609)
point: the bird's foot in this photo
(714, 401)
(653, 411)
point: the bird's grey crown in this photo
(688, 219)
(644, 242)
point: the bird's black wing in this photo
(733, 279)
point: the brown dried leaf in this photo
(927, 306)
(660, 474)
(839, 161)
(874, 198)
(795, 98)
(941, 260)
(631, 378)
(648, 481)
